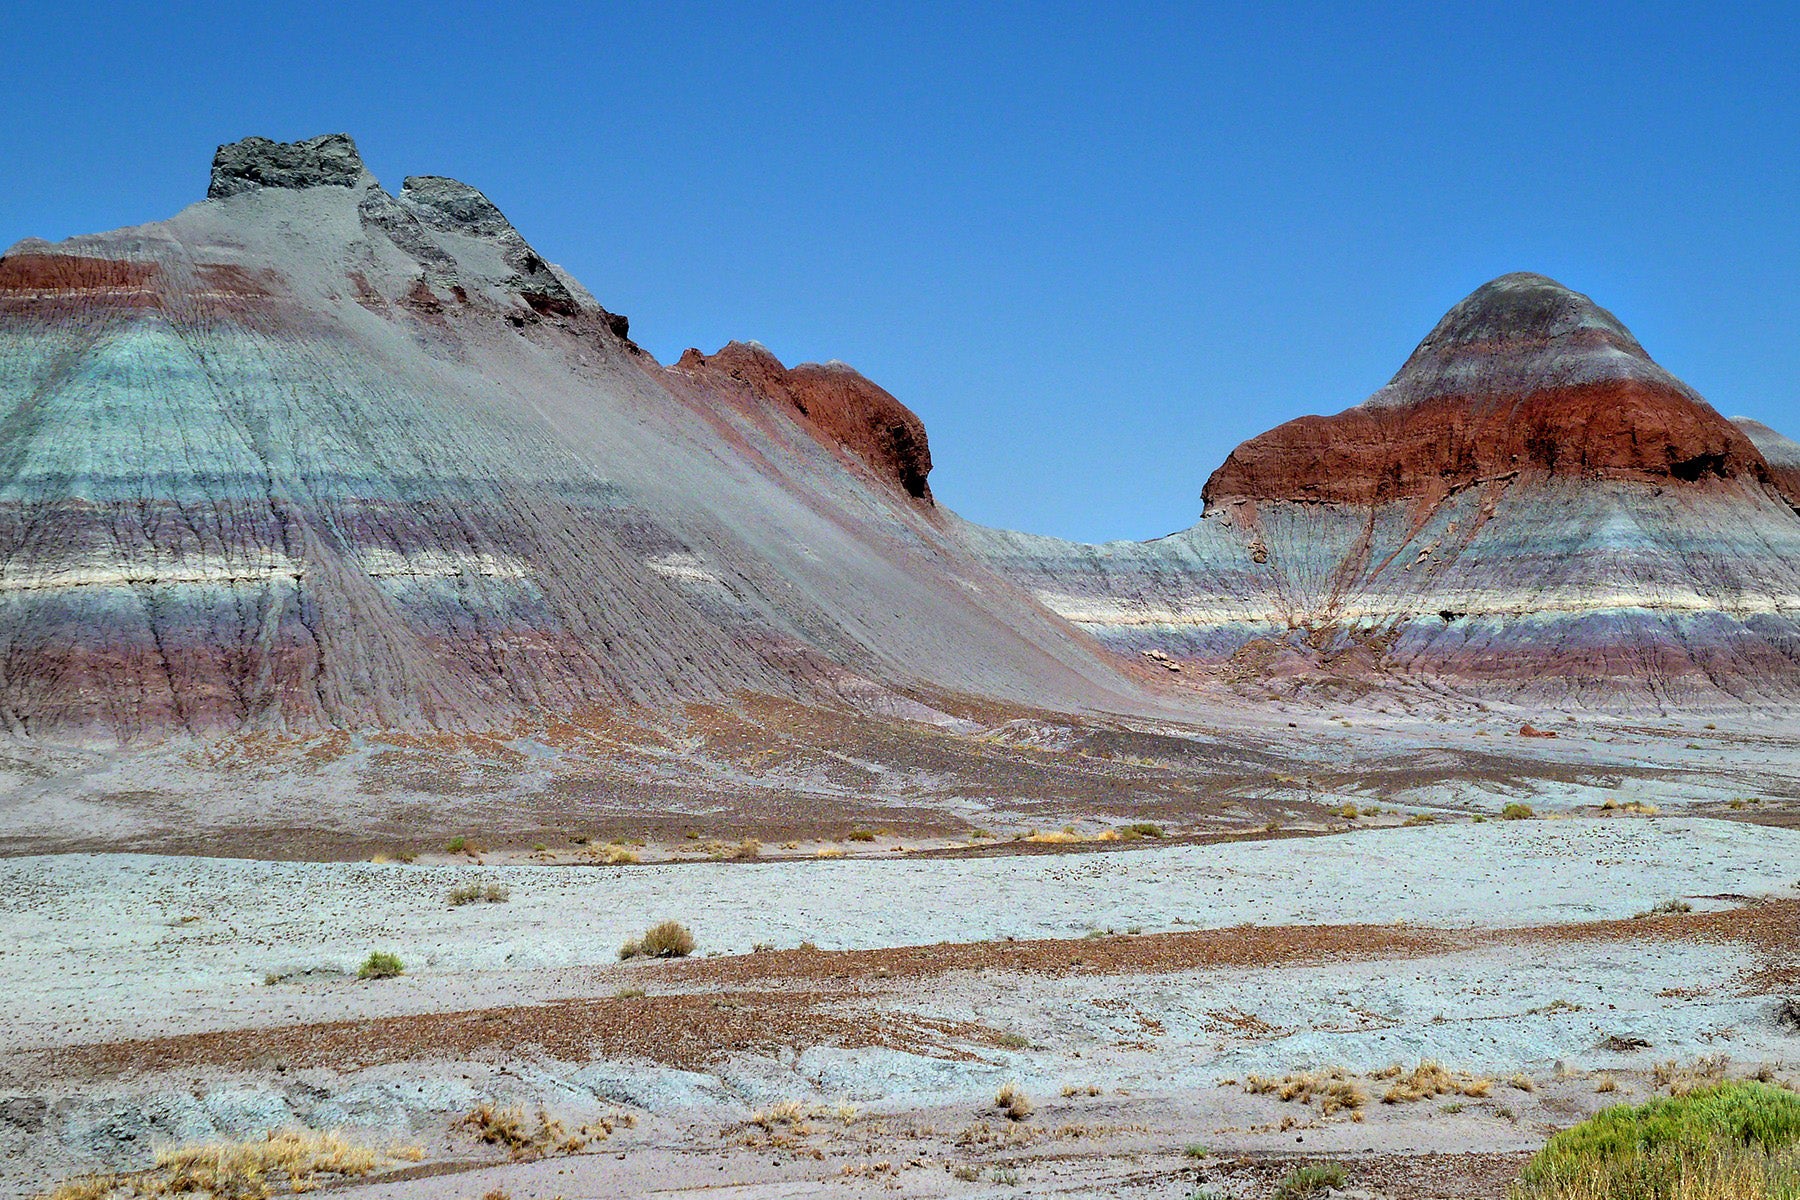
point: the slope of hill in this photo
(1531, 509)
(312, 454)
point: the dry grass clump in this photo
(1331, 1088)
(791, 1113)
(1008, 1135)
(1055, 837)
(1674, 906)
(247, 1170)
(668, 939)
(1523, 1083)
(1517, 812)
(508, 1129)
(617, 856)
(1682, 1080)
(829, 852)
(1141, 829)
(472, 893)
(1012, 1101)
(860, 835)
(794, 1114)
(1429, 1080)
(1071, 1090)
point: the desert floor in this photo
(845, 1023)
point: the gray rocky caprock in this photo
(257, 162)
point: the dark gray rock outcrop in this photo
(257, 162)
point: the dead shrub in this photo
(1012, 1101)
(1332, 1089)
(246, 1170)
(667, 939)
(1429, 1080)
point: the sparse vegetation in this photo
(1701, 1073)
(248, 1170)
(1517, 812)
(1728, 1141)
(860, 835)
(380, 965)
(471, 893)
(457, 845)
(667, 939)
(1668, 908)
(1429, 1080)
(829, 852)
(1142, 829)
(1331, 1088)
(508, 1129)
(1313, 1180)
(1012, 1101)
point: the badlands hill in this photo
(1531, 509)
(314, 455)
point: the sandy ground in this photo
(165, 999)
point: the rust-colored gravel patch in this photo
(1427, 1176)
(1770, 928)
(794, 999)
(1148, 954)
(684, 1030)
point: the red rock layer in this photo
(1614, 428)
(1524, 377)
(28, 278)
(836, 404)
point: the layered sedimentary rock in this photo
(833, 401)
(1781, 453)
(311, 454)
(1523, 378)
(1531, 508)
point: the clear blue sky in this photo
(1094, 247)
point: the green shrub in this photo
(1142, 829)
(860, 835)
(381, 965)
(1517, 812)
(1309, 1181)
(457, 845)
(1730, 1141)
